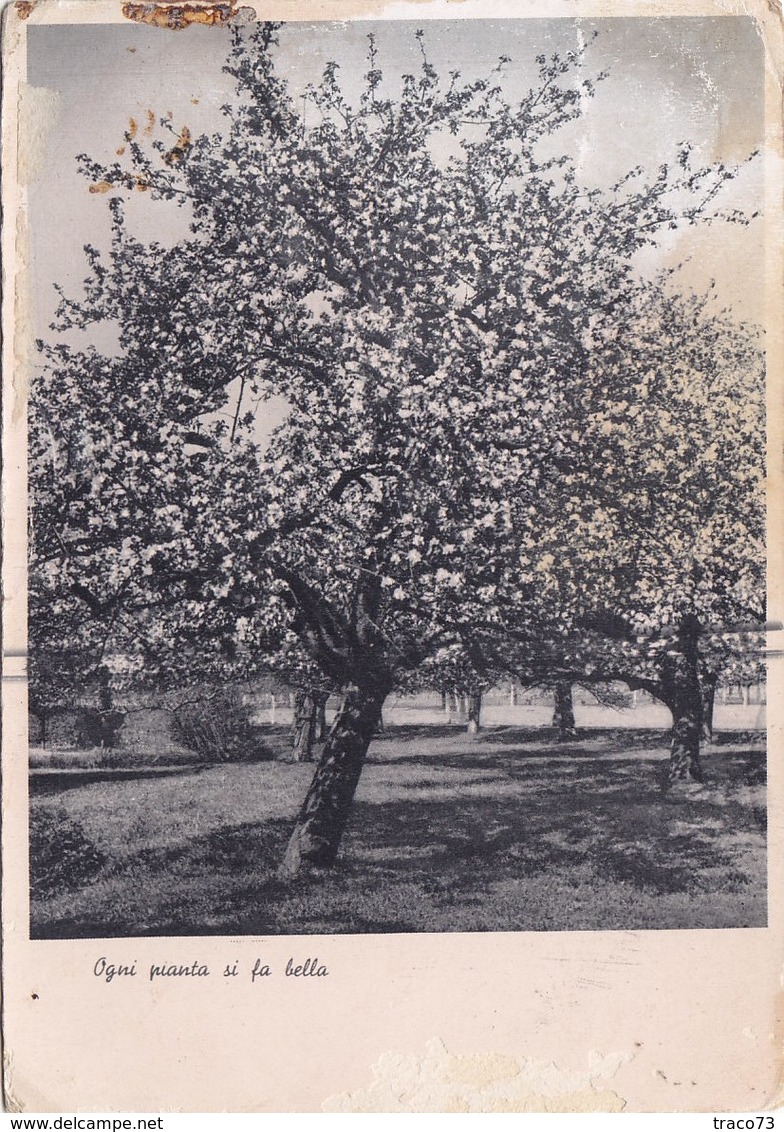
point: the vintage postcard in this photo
(391, 556)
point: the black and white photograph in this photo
(396, 477)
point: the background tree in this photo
(682, 494)
(563, 710)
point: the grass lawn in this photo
(507, 832)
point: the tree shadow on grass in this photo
(406, 732)
(169, 880)
(56, 781)
(624, 737)
(740, 762)
(611, 815)
(735, 738)
(433, 859)
(741, 766)
(520, 762)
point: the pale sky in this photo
(694, 78)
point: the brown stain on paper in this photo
(439, 1081)
(180, 149)
(176, 17)
(138, 183)
(25, 8)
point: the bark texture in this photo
(304, 726)
(708, 688)
(321, 716)
(683, 696)
(474, 701)
(325, 811)
(563, 710)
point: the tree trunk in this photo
(563, 710)
(104, 690)
(324, 813)
(681, 683)
(321, 716)
(453, 707)
(513, 694)
(708, 701)
(444, 703)
(304, 726)
(474, 700)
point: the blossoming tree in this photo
(428, 286)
